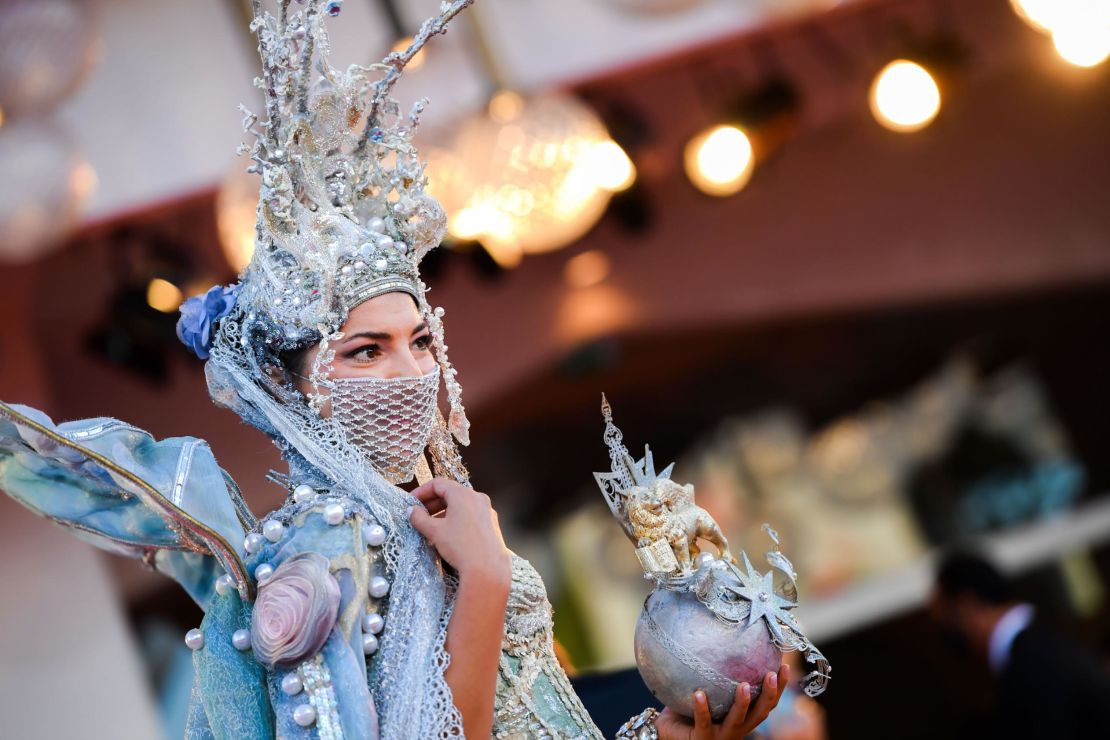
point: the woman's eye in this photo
(368, 352)
(424, 342)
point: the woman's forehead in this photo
(387, 313)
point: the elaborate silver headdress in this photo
(343, 215)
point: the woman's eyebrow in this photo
(381, 336)
(378, 335)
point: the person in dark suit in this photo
(1045, 685)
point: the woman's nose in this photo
(404, 365)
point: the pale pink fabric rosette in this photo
(295, 611)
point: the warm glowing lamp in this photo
(613, 169)
(236, 215)
(719, 160)
(1039, 14)
(904, 96)
(162, 295)
(1084, 44)
(528, 175)
(587, 269)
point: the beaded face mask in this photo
(389, 420)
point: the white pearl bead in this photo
(241, 639)
(291, 684)
(379, 587)
(703, 558)
(253, 543)
(372, 623)
(273, 530)
(264, 572)
(303, 493)
(194, 639)
(334, 514)
(380, 264)
(375, 224)
(385, 241)
(369, 644)
(373, 534)
(224, 584)
(304, 715)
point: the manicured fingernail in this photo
(773, 681)
(746, 690)
(699, 695)
(408, 513)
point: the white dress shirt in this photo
(1005, 632)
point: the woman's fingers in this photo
(425, 524)
(432, 501)
(733, 726)
(703, 719)
(773, 686)
(438, 493)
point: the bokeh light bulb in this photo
(1049, 16)
(613, 169)
(587, 269)
(1039, 14)
(904, 96)
(719, 160)
(162, 295)
(1084, 44)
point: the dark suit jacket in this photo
(1050, 688)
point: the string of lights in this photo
(533, 172)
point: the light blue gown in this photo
(169, 503)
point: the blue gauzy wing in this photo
(115, 486)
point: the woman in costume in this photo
(356, 609)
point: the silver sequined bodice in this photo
(534, 696)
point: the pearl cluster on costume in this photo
(311, 677)
(373, 537)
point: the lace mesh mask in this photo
(389, 420)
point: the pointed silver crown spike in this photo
(627, 473)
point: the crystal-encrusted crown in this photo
(343, 214)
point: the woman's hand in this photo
(462, 526)
(741, 719)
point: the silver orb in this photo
(681, 647)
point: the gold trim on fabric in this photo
(159, 502)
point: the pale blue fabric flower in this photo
(199, 315)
